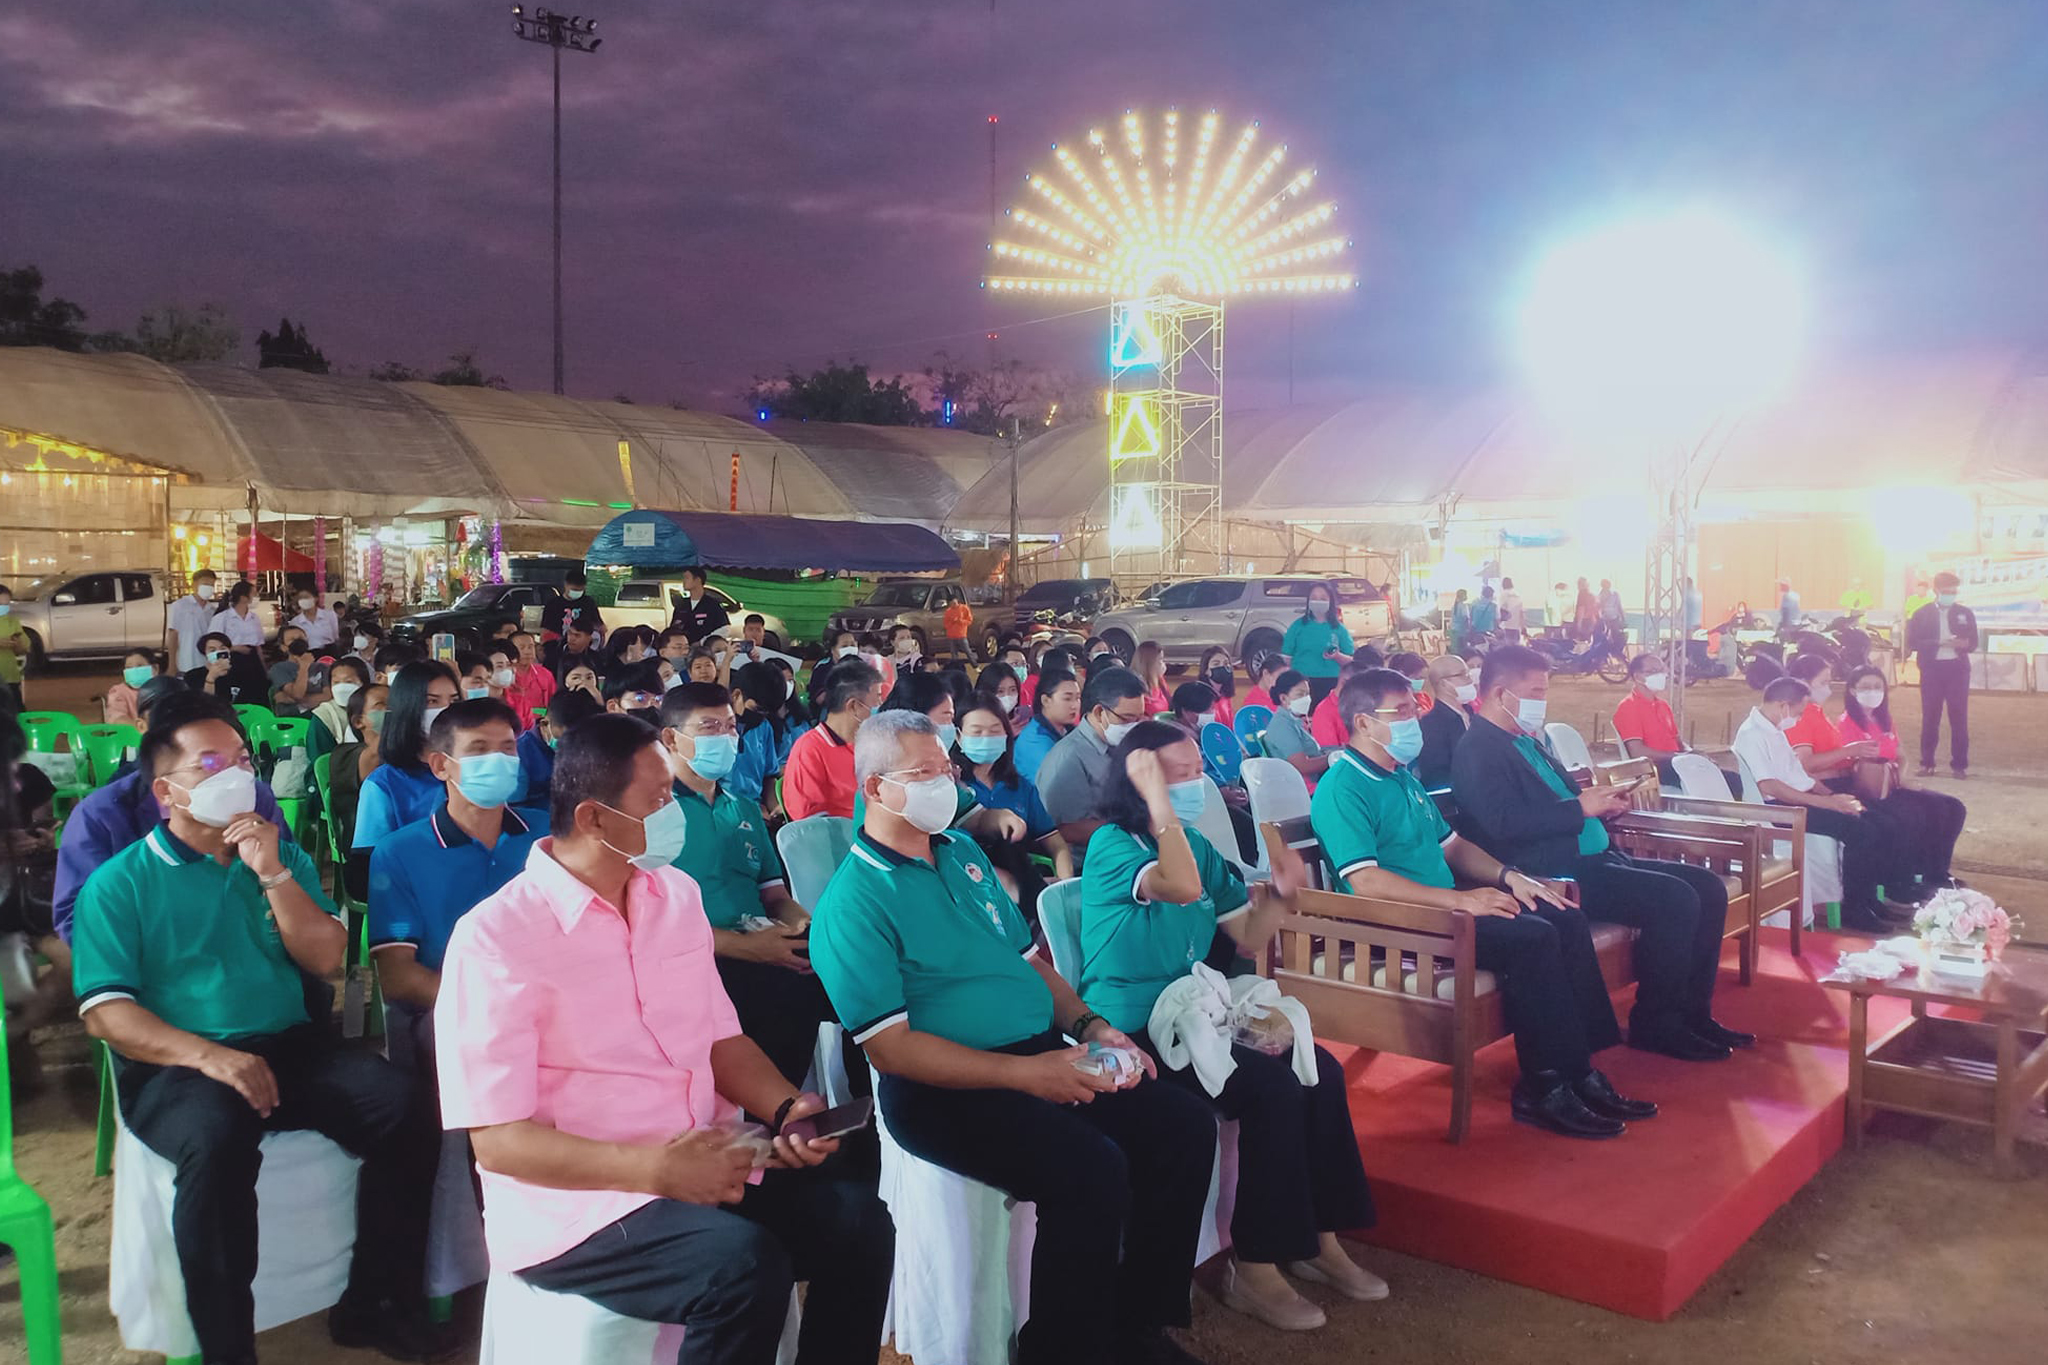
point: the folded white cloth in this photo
(1193, 1019)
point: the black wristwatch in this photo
(1502, 881)
(782, 1112)
(1080, 1025)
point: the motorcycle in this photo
(1605, 654)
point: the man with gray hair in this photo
(934, 971)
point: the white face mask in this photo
(343, 691)
(928, 804)
(846, 651)
(1656, 681)
(1007, 700)
(501, 677)
(204, 592)
(1318, 608)
(222, 798)
(429, 716)
(1116, 731)
(1869, 700)
(1299, 705)
(1529, 713)
(1205, 720)
(360, 643)
(306, 605)
(1467, 693)
(1787, 722)
(1821, 692)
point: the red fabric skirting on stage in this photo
(1637, 1223)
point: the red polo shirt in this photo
(817, 779)
(1649, 719)
(1814, 730)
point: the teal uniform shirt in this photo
(1592, 835)
(189, 939)
(1365, 816)
(728, 853)
(1305, 642)
(1132, 949)
(938, 945)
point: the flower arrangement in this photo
(1962, 926)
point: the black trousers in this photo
(1872, 845)
(1945, 683)
(779, 1009)
(1128, 1171)
(725, 1273)
(1298, 1168)
(1931, 822)
(1678, 913)
(210, 1134)
(1551, 987)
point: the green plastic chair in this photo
(26, 1226)
(276, 735)
(255, 719)
(106, 746)
(103, 1135)
(42, 730)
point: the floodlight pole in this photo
(1015, 442)
(557, 31)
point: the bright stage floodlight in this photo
(1666, 321)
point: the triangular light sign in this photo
(1133, 341)
(1137, 433)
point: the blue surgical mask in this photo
(1418, 685)
(1404, 740)
(137, 675)
(1945, 599)
(6, 608)
(714, 757)
(664, 831)
(1188, 798)
(947, 734)
(475, 693)
(487, 779)
(982, 748)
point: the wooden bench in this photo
(1397, 977)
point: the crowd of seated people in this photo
(541, 825)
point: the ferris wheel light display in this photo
(1168, 221)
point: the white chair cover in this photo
(1277, 789)
(811, 850)
(962, 1282)
(525, 1325)
(305, 1232)
(1568, 745)
(1214, 823)
(1059, 915)
(1700, 778)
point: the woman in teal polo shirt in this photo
(1317, 644)
(1156, 898)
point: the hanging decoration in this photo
(498, 549)
(320, 555)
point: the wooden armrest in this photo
(1791, 818)
(1342, 905)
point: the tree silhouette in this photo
(290, 349)
(28, 319)
(839, 393)
(174, 334)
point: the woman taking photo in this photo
(1936, 818)
(1316, 644)
(1057, 707)
(403, 789)
(1156, 898)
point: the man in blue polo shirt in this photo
(124, 810)
(430, 873)
(758, 931)
(1383, 836)
(934, 970)
(193, 952)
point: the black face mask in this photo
(1224, 681)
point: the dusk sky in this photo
(756, 183)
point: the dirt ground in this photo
(1906, 1250)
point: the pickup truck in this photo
(919, 603)
(1244, 613)
(651, 602)
(91, 615)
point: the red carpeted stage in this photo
(1637, 1223)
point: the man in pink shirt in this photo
(532, 684)
(589, 1049)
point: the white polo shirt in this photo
(1762, 746)
(321, 627)
(240, 629)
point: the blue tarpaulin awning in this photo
(649, 539)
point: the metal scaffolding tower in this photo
(1165, 438)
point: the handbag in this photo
(1872, 779)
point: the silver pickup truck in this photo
(1247, 614)
(91, 615)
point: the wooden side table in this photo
(1986, 1073)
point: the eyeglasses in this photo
(923, 774)
(216, 763)
(1409, 712)
(711, 727)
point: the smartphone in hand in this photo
(847, 1118)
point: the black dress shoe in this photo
(1726, 1037)
(1598, 1094)
(1865, 920)
(1681, 1043)
(399, 1333)
(1548, 1101)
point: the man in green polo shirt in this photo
(191, 954)
(758, 931)
(934, 970)
(1383, 836)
